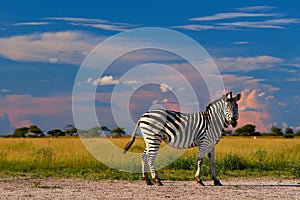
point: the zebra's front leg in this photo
(211, 158)
(145, 168)
(151, 161)
(198, 172)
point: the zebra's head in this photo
(231, 109)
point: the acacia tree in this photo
(70, 130)
(56, 132)
(35, 129)
(288, 130)
(276, 131)
(118, 131)
(248, 129)
(20, 132)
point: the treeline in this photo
(34, 131)
(249, 130)
(70, 130)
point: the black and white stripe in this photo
(181, 130)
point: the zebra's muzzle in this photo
(234, 123)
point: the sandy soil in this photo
(22, 188)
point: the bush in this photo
(186, 163)
(295, 169)
(288, 135)
(233, 162)
(297, 133)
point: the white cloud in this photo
(131, 82)
(53, 60)
(31, 23)
(165, 100)
(95, 23)
(222, 16)
(43, 47)
(105, 80)
(247, 109)
(240, 42)
(197, 27)
(109, 27)
(227, 64)
(262, 94)
(274, 23)
(293, 79)
(5, 90)
(281, 104)
(254, 15)
(155, 101)
(77, 19)
(89, 80)
(165, 88)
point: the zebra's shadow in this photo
(259, 185)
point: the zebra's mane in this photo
(212, 103)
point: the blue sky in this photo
(255, 44)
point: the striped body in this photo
(181, 130)
(178, 130)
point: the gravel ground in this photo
(22, 188)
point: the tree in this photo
(20, 132)
(276, 131)
(118, 131)
(70, 130)
(297, 133)
(94, 131)
(288, 130)
(56, 132)
(97, 131)
(35, 129)
(248, 129)
(104, 128)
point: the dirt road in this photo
(22, 188)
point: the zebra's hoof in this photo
(149, 183)
(160, 183)
(200, 182)
(217, 183)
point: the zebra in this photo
(182, 130)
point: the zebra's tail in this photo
(132, 139)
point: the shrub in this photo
(233, 162)
(295, 169)
(288, 135)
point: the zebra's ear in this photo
(229, 95)
(238, 97)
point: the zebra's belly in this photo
(180, 146)
(177, 137)
(182, 141)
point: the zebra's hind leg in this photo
(211, 158)
(198, 172)
(145, 168)
(151, 161)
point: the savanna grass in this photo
(68, 157)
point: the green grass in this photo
(68, 158)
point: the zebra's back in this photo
(179, 130)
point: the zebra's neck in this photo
(216, 118)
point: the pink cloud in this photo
(20, 107)
(253, 110)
